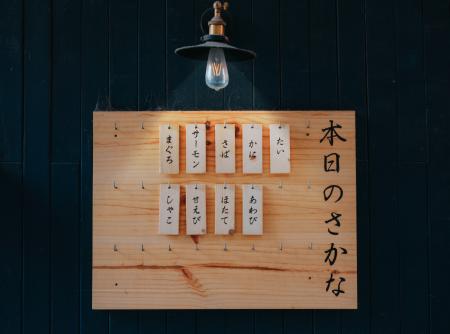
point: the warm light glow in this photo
(216, 76)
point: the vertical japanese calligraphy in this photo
(280, 149)
(224, 209)
(195, 209)
(252, 209)
(169, 209)
(333, 193)
(195, 148)
(169, 149)
(252, 145)
(225, 148)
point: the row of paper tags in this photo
(224, 216)
(225, 150)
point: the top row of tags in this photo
(225, 150)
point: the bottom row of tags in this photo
(169, 209)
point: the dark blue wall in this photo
(388, 59)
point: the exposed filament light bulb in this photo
(216, 76)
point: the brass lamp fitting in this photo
(217, 24)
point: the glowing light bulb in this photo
(216, 76)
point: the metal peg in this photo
(142, 185)
(310, 245)
(281, 246)
(142, 248)
(115, 248)
(115, 185)
(142, 125)
(225, 248)
(170, 248)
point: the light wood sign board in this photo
(305, 258)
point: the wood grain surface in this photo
(136, 268)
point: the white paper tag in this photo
(252, 210)
(195, 148)
(169, 209)
(252, 149)
(169, 162)
(225, 148)
(195, 209)
(224, 209)
(280, 149)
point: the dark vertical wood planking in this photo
(123, 322)
(353, 96)
(181, 321)
(211, 321)
(238, 95)
(298, 321)
(123, 86)
(123, 54)
(66, 102)
(437, 68)
(269, 322)
(153, 322)
(383, 167)
(11, 72)
(65, 181)
(65, 273)
(412, 154)
(180, 72)
(11, 193)
(324, 71)
(267, 74)
(95, 90)
(152, 54)
(36, 168)
(410, 82)
(295, 54)
(412, 211)
(239, 321)
(324, 95)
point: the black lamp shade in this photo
(200, 51)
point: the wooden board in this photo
(134, 267)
